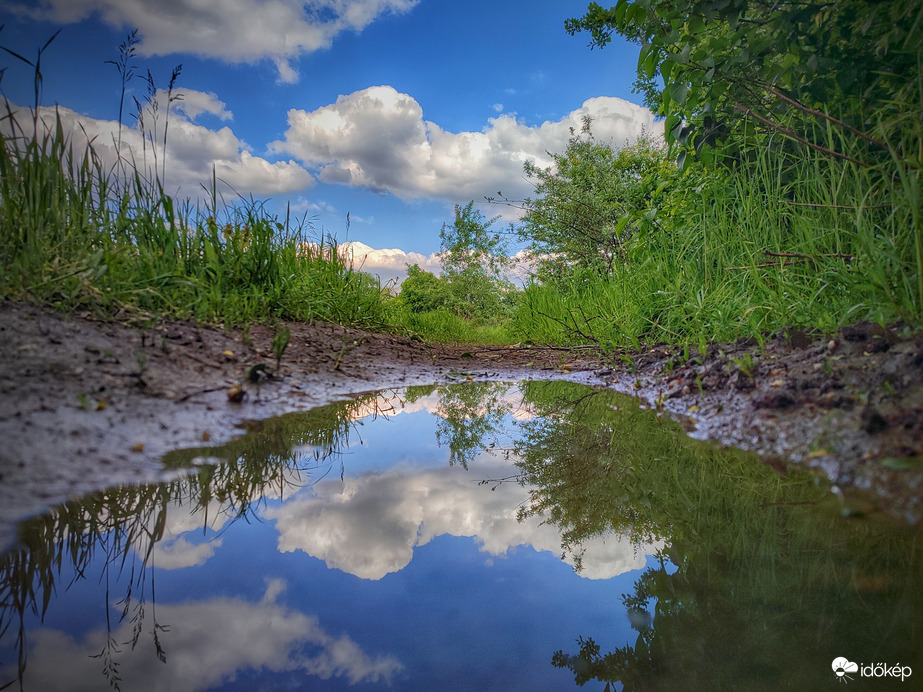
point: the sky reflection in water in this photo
(375, 543)
(405, 572)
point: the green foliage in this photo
(825, 98)
(469, 244)
(443, 325)
(422, 291)
(722, 60)
(802, 206)
(279, 344)
(471, 297)
(590, 204)
(479, 297)
(473, 261)
(797, 241)
(470, 417)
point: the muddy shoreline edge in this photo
(86, 404)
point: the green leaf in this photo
(636, 13)
(900, 464)
(648, 60)
(666, 68)
(620, 12)
(678, 92)
(670, 124)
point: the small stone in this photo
(877, 345)
(872, 421)
(775, 400)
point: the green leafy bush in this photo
(591, 203)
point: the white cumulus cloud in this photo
(387, 263)
(235, 31)
(192, 150)
(378, 138)
(207, 643)
(195, 103)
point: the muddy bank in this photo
(86, 404)
(849, 406)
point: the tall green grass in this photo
(781, 238)
(79, 236)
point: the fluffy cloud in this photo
(390, 265)
(207, 643)
(377, 138)
(192, 149)
(369, 525)
(236, 31)
(177, 553)
(195, 103)
(387, 264)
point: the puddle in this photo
(471, 536)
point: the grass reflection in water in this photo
(109, 527)
(760, 584)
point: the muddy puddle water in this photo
(479, 536)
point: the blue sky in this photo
(391, 110)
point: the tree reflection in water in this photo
(768, 581)
(761, 582)
(470, 416)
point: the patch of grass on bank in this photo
(78, 236)
(443, 325)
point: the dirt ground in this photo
(86, 404)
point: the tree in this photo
(474, 260)
(470, 244)
(422, 291)
(591, 203)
